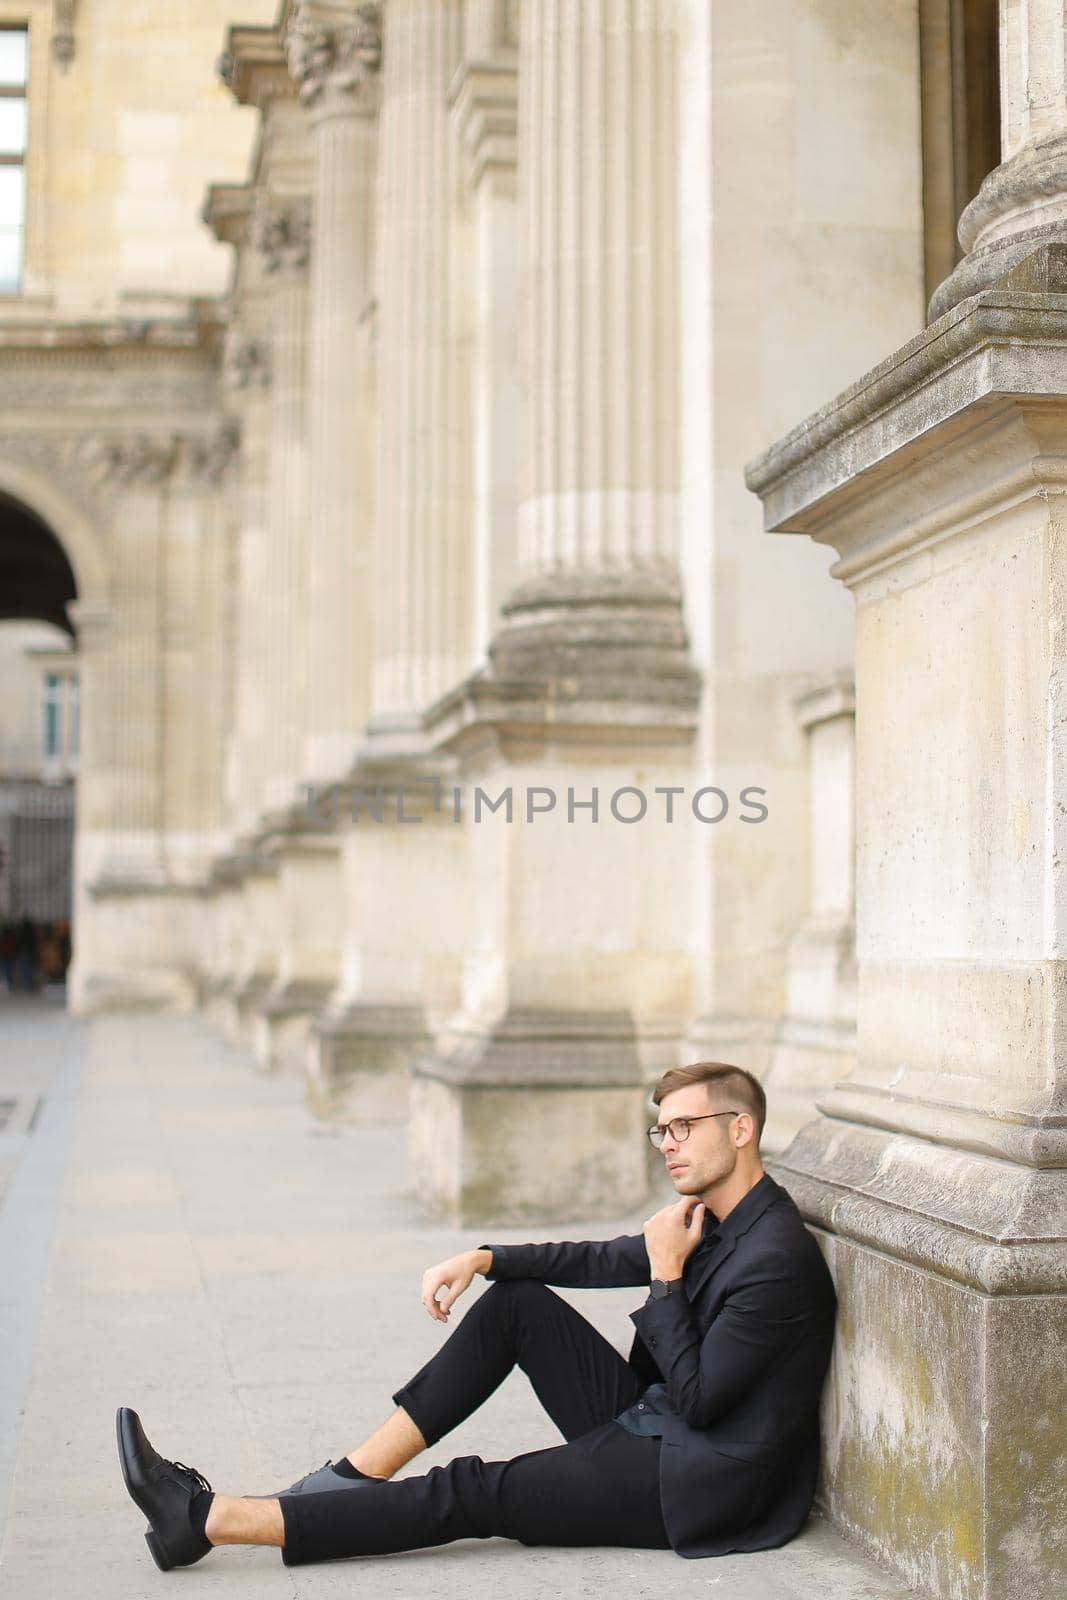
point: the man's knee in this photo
(510, 1293)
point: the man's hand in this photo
(454, 1275)
(669, 1241)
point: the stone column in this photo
(248, 378)
(281, 233)
(334, 49)
(484, 100)
(397, 959)
(1023, 202)
(422, 576)
(138, 470)
(937, 1171)
(816, 1040)
(194, 579)
(588, 689)
(598, 519)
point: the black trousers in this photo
(600, 1488)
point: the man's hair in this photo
(735, 1083)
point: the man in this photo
(705, 1440)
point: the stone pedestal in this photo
(404, 879)
(255, 936)
(816, 1040)
(936, 1170)
(308, 867)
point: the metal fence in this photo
(36, 850)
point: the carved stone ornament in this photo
(246, 361)
(143, 459)
(63, 43)
(208, 457)
(332, 46)
(282, 235)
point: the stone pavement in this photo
(177, 1234)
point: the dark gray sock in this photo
(345, 1469)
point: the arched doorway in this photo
(40, 740)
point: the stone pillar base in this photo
(942, 1428)
(241, 1003)
(539, 1118)
(282, 1024)
(359, 1062)
(133, 948)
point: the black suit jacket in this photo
(743, 1350)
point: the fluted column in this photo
(334, 51)
(1023, 202)
(422, 630)
(484, 100)
(281, 233)
(248, 380)
(601, 437)
(139, 469)
(598, 515)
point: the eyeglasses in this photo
(678, 1127)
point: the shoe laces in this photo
(196, 1479)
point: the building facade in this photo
(455, 731)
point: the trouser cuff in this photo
(291, 1551)
(416, 1412)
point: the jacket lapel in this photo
(719, 1246)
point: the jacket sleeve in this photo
(598, 1264)
(706, 1376)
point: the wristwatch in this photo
(661, 1287)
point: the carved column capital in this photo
(281, 232)
(63, 42)
(208, 457)
(334, 50)
(139, 460)
(245, 361)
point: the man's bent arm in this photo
(707, 1376)
(596, 1264)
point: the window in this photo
(13, 63)
(74, 724)
(51, 716)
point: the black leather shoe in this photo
(164, 1491)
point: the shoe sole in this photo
(151, 1538)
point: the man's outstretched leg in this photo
(579, 1378)
(599, 1489)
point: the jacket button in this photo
(651, 1343)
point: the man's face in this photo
(709, 1154)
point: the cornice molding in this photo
(253, 65)
(226, 210)
(484, 98)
